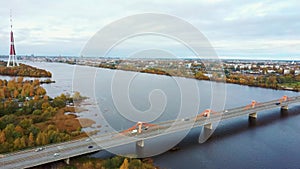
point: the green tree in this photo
(58, 102)
(17, 143)
(25, 123)
(9, 132)
(23, 141)
(37, 112)
(45, 139)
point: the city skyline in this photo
(242, 30)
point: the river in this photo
(271, 141)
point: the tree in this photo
(45, 106)
(19, 130)
(46, 98)
(2, 94)
(25, 123)
(17, 143)
(31, 140)
(20, 79)
(36, 82)
(40, 91)
(31, 91)
(16, 93)
(36, 97)
(125, 164)
(58, 102)
(2, 137)
(39, 139)
(135, 163)
(9, 132)
(88, 165)
(77, 96)
(37, 112)
(23, 141)
(11, 85)
(63, 97)
(45, 139)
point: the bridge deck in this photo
(30, 158)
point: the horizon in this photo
(262, 30)
(183, 58)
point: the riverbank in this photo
(23, 70)
(110, 163)
(271, 81)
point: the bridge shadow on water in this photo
(239, 125)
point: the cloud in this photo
(235, 27)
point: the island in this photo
(23, 70)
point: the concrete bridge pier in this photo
(253, 115)
(139, 149)
(285, 107)
(67, 161)
(208, 126)
(206, 132)
(140, 143)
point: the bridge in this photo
(138, 133)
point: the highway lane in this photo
(29, 158)
(32, 158)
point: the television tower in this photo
(12, 54)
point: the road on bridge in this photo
(55, 152)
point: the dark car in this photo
(277, 103)
(90, 146)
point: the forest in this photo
(23, 70)
(29, 118)
(288, 81)
(272, 81)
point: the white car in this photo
(134, 131)
(187, 119)
(39, 149)
(56, 154)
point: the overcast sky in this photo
(242, 29)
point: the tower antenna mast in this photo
(12, 59)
